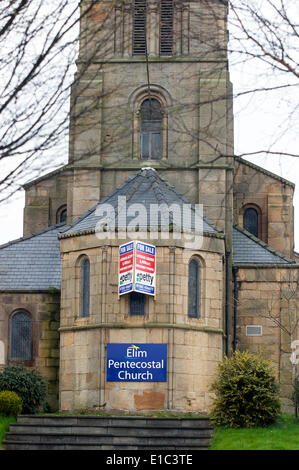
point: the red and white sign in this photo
(145, 268)
(137, 268)
(126, 268)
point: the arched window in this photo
(21, 336)
(151, 130)
(85, 288)
(250, 221)
(139, 28)
(137, 304)
(150, 110)
(194, 289)
(61, 215)
(166, 27)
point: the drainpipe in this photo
(236, 296)
(227, 332)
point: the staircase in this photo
(108, 433)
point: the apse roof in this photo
(147, 188)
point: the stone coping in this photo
(123, 415)
(31, 291)
(203, 328)
(266, 266)
(264, 171)
(155, 59)
(92, 231)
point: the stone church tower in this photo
(151, 121)
(153, 92)
(174, 53)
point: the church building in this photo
(154, 251)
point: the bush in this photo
(246, 392)
(28, 384)
(10, 403)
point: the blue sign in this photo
(127, 362)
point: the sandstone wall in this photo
(44, 309)
(194, 345)
(273, 198)
(268, 297)
(43, 199)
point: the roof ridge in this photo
(263, 244)
(128, 197)
(158, 192)
(32, 235)
(177, 192)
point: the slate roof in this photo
(32, 262)
(146, 187)
(247, 249)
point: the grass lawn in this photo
(282, 435)
(4, 425)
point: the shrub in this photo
(246, 392)
(28, 384)
(10, 403)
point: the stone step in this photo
(108, 430)
(118, 440)
(108, 433)
(126, 421)
(16, 445)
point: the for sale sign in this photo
(126, 268)
(137, 268)
(145, 268)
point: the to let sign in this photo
(127, 362)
